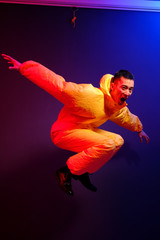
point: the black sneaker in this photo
(63, 177)
(85, 180)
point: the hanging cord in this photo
(73, 20)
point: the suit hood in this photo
(110, 105)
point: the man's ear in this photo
(111, 86)
(112, 79)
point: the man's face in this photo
(121, 89)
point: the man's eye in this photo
(123, 87)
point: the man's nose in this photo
(127, 93)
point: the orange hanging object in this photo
(73, 20)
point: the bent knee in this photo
(109, 144)
(119, 141)
(114, 143)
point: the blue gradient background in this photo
(126, 205)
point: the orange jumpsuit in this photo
(85, 109)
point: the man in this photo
(85, 109)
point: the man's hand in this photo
(142, 135)
(15, 65)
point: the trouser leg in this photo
(94, 147)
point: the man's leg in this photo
(94, 146)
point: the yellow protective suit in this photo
(85, 109)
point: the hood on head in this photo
(105, 83)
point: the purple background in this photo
(126, 205)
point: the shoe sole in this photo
(61, 186)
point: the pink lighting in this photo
(135, 5)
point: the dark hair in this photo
(122, 73)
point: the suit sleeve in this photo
(126, 119)
(50, 82)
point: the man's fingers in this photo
(140, 137)
(6, 57)
(10, 68)
(147, 139)
(11, 61)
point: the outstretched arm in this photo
(15, 65)
(142, 135)
(126, 119)
(38, 74)
(46, 79)
(130, 121)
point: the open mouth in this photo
(123, 99)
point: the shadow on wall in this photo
(128, 154)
